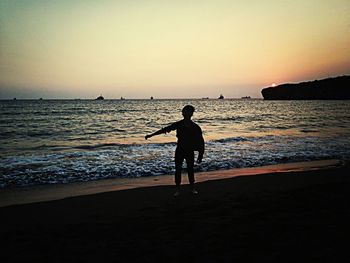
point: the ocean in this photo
(64, 141)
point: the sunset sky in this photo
(168, 49)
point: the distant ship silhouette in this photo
(221, 97)
(246, 97)
(100, 98)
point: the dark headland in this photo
(337, 88)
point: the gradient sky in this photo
(168, 49)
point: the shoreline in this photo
(43, 193)
(273, 217)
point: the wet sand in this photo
(298, 214)
(41, 193)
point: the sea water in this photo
(63, 141)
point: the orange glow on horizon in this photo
(168, 49)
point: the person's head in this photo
(187, 111)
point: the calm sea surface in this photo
(62, 141)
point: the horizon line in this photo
(204, 98)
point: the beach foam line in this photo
(42, 193)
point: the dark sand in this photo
(279, 217)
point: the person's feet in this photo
(177, 192)
(194, 191)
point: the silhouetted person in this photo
(190, 139)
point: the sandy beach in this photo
(283, 216)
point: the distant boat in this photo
(205, 98)
(151, 97)
(246, 97)
(221, 97)
(100, 98)
(14, 98)
(122, 98)
(40, 98)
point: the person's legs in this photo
(190, 164)
(179, 158)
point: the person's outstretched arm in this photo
(154, 134)
(164, 130)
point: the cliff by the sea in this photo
(337, 88)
